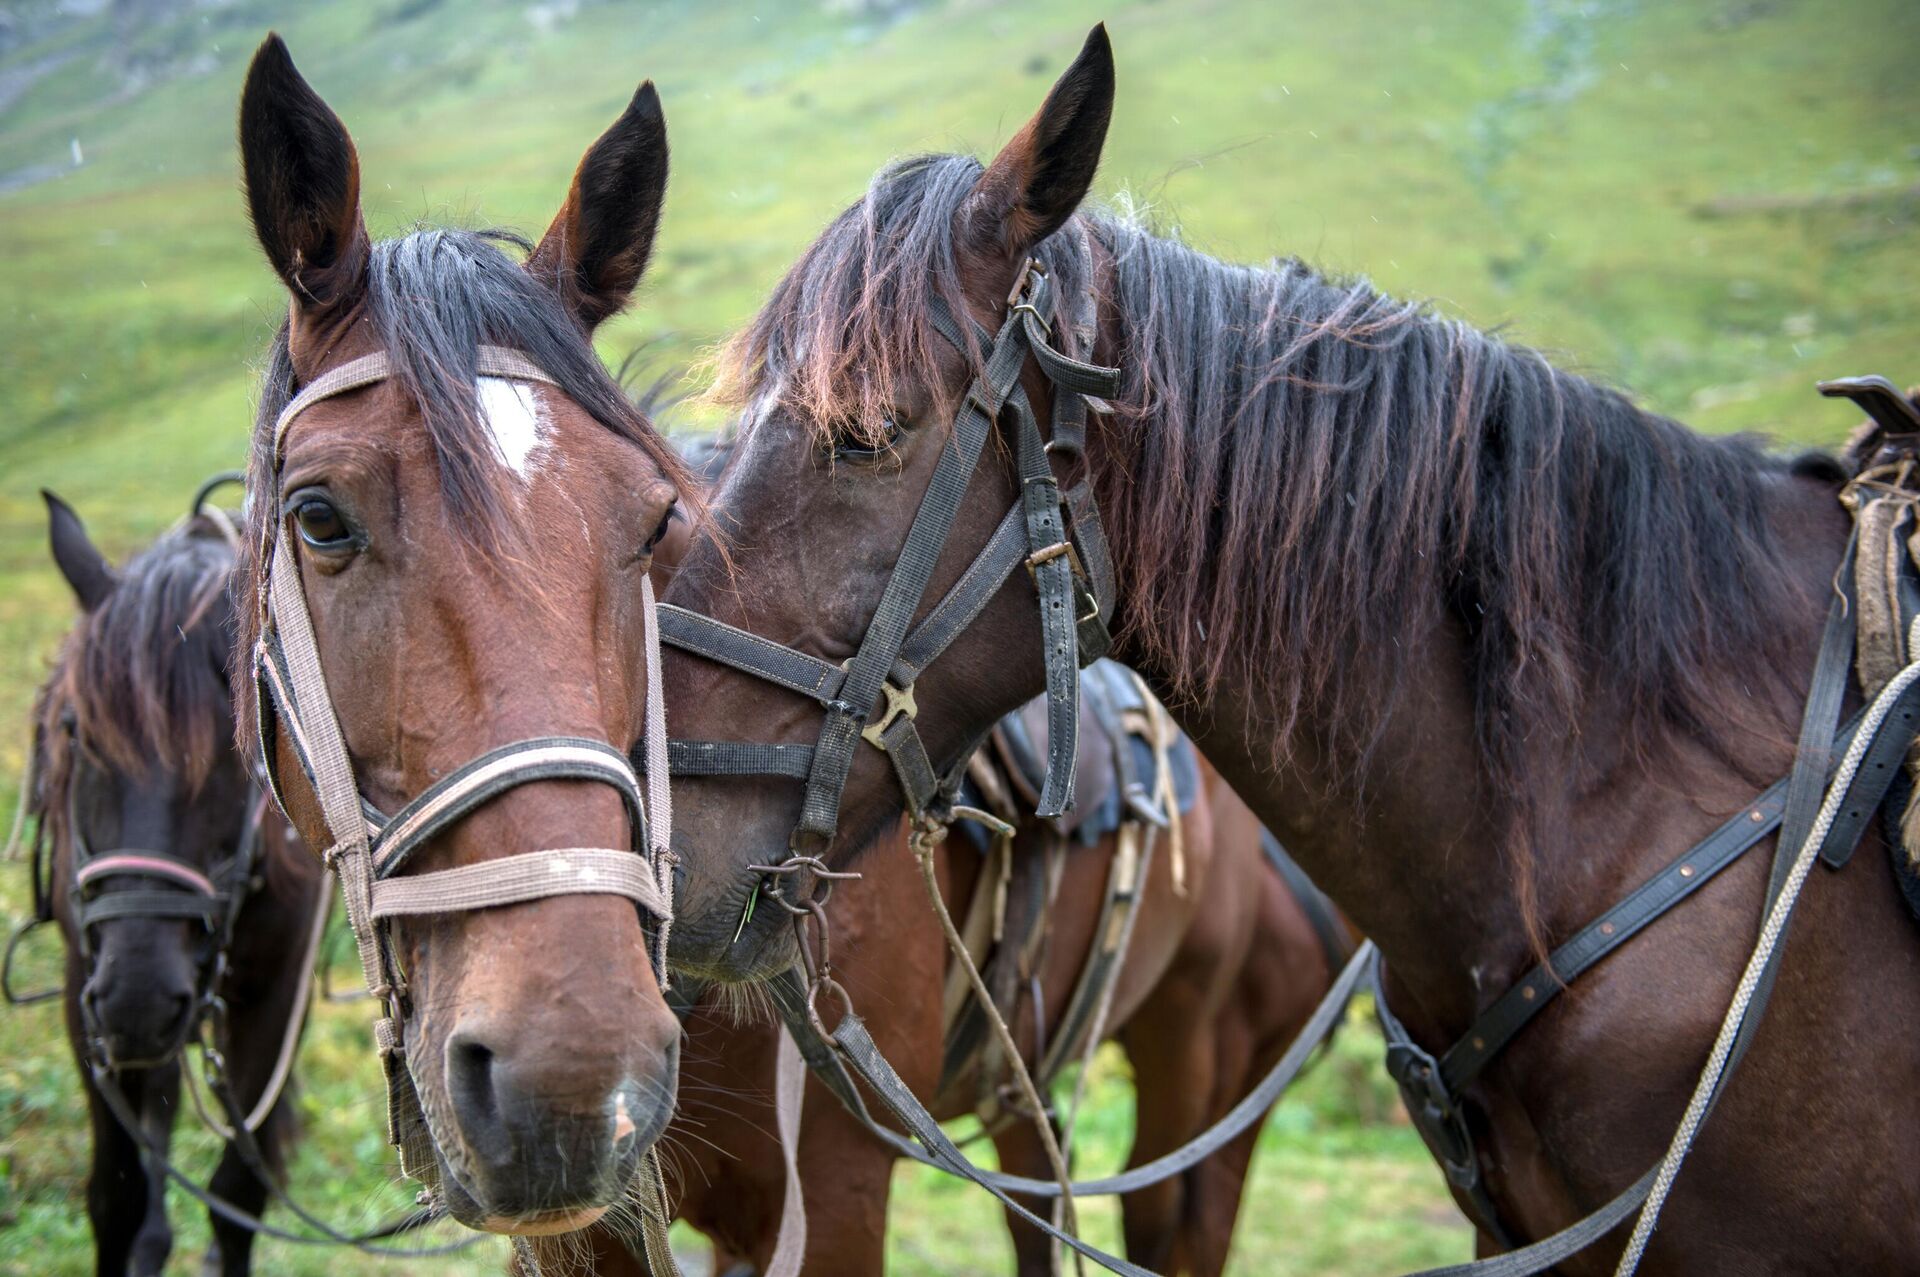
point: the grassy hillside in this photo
(1712, 203)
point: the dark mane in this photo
(1313, 469)
(143, 674)
(434, 297)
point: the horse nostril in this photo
(471, 1086)
(623, 1128)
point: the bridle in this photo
(171, 887)
(1072, 575)
(370, 851)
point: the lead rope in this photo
(789, 1092)
(1770, 936)
(290, 1036)
(928, 834)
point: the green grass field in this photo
(1712, 203)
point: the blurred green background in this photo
(1711, 203)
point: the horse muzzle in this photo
(517, 1157)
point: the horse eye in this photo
(666, 521)
(861, 444)
(321, 525)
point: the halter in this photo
(1072, 577)
(370, 851)
(172, 887)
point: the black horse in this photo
(186, 903)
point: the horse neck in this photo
(1409, 852)
(1407, 835)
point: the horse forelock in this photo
(846, 339)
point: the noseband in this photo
(1073, 578)
(370, 850)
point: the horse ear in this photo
(79, 560)
(1046, 169)
(597, 247)
(303, 182)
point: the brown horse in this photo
(472, 551)
(1226, 962)
(172, 883)
(1484, 643)
(1221, 974)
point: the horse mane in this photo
(142, 675)
(434, 297)
(1318, 469)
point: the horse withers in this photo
(1486, 644)
(187, 904)
(448, 611)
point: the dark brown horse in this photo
(155, 832)
(1221, 974)
(1225, 963)
(471, 551)
(1214, 989)
(1483, 642)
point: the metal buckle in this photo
(1048, 553)
(1038, 318)
(899, 702)
(1082, 583)
(1032, 267)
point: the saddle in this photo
(1135, 770)
(1884, 498)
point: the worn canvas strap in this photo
(562, 871)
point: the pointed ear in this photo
(303, 182)
(597, 247)
(80, 562)
(1046, 169)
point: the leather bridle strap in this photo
(927, 536)
(894, 652)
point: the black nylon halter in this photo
(1073, 578)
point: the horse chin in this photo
(463, 1207)
(733, 952)
(549, 1224)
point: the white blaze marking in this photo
(519, 428)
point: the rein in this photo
(370, 851)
